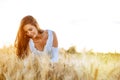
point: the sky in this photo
(90, 24)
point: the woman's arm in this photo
(55, 41)
(55, 48)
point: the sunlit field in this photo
(72, 65)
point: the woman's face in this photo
(30, 30)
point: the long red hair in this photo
(22, 40)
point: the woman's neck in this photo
(39, 36)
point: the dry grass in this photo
(79, 66)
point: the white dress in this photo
(52, 51)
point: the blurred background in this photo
(89, 24)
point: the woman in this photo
(30, 38)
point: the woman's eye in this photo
(30, 29)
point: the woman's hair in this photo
(22, 40)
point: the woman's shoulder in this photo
(49, 30)
(52, 32)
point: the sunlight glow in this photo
(86, 24)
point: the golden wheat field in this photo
(72, 65)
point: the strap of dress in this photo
(49, 43)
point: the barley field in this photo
(72, 65)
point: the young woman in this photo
(30, 38)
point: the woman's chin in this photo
(34, 36)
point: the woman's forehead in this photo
(28, 26)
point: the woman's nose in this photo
(28, 33)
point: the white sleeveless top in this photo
(47, 48)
